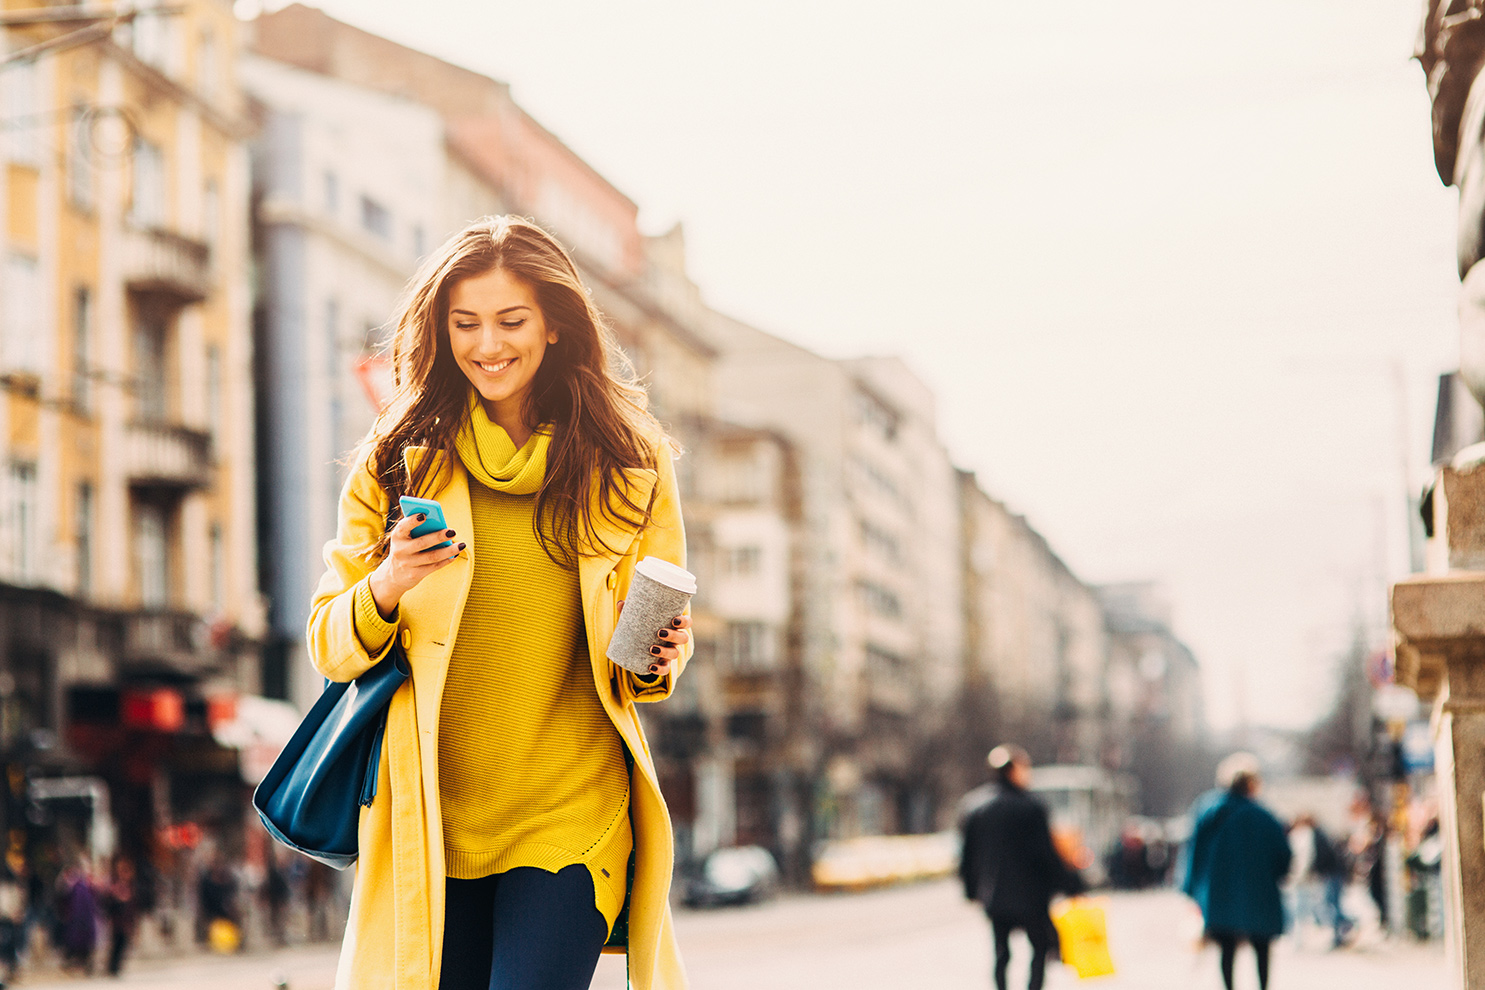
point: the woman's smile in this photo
(494, 367)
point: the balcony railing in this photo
(165, 639)
(166, 455)
(167, 263)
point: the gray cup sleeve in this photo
(648, 608)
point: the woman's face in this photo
(498, 338)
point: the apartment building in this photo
(879, 624)
(129, 612)
(350, 192)
(1036, 645)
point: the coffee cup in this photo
(659, 592)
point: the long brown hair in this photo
(584, 388)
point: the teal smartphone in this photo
(412, 506)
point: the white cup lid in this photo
(668, 574)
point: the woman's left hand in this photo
(670, 640)
(668, 643)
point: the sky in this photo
(1180, 272)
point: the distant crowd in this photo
(87, 916)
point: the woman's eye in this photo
(512, 324)
(466, 326)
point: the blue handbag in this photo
(311, 799)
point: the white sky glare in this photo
(1158, 258)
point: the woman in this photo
(1239, 855)
(519, 779)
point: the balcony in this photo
(168, 264)
(162, 640)
(165, 455)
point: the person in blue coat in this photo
(1239, 854)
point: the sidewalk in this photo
(917, 937)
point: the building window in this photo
(880, 542)
(82, 329)
(876, 416)
(21, 90)
(214, 392)
(419, 241)
(152, 555)
(147, 209)
(25, 552)
(151, 39)
(79, 156)
(211, 208)
(739, 479)
(749, 646)
(879, 600)
(218, 570)
(22, 347)
(332, 193)
(741, 561)
(875, 479)
(207, 70)
(150, 398)
(376, 218)
(84, 523)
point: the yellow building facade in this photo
(128, 578)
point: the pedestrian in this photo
(1010, 865)
(121, 903)
(519, 776)
(1318, 873)
(12, 912)
(1238, 857)
(1369, 847)
(216, 897)
(276, 894)
(78, 915)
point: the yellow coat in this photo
(394, 938)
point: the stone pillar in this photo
(1439, 622)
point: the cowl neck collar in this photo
(492, 458)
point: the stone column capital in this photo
(1439, 621)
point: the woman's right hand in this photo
(408, 561)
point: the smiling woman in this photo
(498, 337)
(499, 855)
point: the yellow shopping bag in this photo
(1084, 936)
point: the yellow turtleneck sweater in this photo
(531, 770)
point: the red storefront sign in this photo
(158, 709)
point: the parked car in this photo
(733, 875)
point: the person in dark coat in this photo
(1238, 856)
(1010, 866)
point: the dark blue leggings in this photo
(524, 929)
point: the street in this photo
(920, 936)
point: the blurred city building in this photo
(879, 578)
(129, 608)
(1037, 647)
(1156, 725)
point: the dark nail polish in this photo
(676, 622)
(654, 669)
(462, 546)
(663, 634)
(448, 532)
(655, 650)
(422, 517)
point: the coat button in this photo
(405, 638)
(613, 580)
